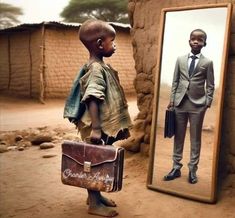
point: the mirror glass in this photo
(176, 26)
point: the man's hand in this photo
(170, 105)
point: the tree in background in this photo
(8, 15)
(107, 10)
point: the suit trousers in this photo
(194, 114)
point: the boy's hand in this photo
(95, 136)
(170, 105)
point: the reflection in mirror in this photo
(186, 164)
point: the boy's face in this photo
(197, 41)
(108, 45)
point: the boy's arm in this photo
(94, 112)
(94, 87)
(174, 84)
(210, 85)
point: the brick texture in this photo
(42, 62)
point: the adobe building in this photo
(41, 60)
(145, 20)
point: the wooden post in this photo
(9, 61)
(42, 67)
(30, 66)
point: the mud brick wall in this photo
(19, 63)
(43, 62)
(4, 66)
(145, 19)
(20, 74)
(65, 55)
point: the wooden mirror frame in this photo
(217, 136)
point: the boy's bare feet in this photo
(105, 201)
(102, 210)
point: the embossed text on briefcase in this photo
(94, 167)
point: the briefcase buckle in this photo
(87, 167)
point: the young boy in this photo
(190, 98)
(106, 114)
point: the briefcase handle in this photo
(88, 140)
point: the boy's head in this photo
(98, 37)
(197, 40)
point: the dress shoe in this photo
(175, 173)
(192, 177)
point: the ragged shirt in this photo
(101, 81)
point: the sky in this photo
(178, 26)
(37, 11)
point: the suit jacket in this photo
(199, 87)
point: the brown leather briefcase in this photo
(94, 167)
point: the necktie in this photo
(192, 65)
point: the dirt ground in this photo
(30, 185)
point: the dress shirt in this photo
(190, 59)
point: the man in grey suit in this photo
(191, 94)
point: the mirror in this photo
(176, 26)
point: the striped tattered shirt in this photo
(101, 81)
